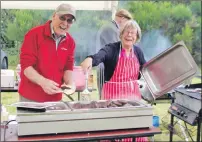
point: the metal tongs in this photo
(68, 95)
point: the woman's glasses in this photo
(131, 32)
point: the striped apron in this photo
(123, 84)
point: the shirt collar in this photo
(123, 52)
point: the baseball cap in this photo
(66, 9)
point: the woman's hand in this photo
(87, 64)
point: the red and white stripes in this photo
(123, 84)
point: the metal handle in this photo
(86, 80)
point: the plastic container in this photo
(18, 70)
(17, 81)
(156, 121)
(79, 78)
(90, 82)
(4, 114)
(85, 96)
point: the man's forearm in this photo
(68, 77)
(33, 75)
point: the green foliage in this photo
(195, 6)
(149, 17)
(5, 16)
(186, 36)
(24, 20)
(16, 24)
(181, 13)
(179, 20)
(197, 42)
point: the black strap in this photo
(115, 24)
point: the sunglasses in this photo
(69, 21)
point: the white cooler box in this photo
(7, 78)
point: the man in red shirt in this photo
(47, 58)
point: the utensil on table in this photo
(85, 94)
(68, 90)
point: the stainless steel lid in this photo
(168, 70)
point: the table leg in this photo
(171, 124)
(198, 129)
(78, 96)
(201, 131)
(152, 139)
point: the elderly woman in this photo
(123, 61)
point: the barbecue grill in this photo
(105, 115)
(85, 116)
(187, 106)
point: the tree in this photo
(178, 20)
(17, 26)
(24, 21)
(195, 7)
(5, 16)
(186, 36)
(179, 15)
(196, 50)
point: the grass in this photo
(196, 80)
(160, 109)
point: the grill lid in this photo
(168, 70)
(189, 92)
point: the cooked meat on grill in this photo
(84, 106)
(112, 105)
(116, 103)
(101, 104)
(76, 106)
(94, 104)
(122, 101)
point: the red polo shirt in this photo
(39, 51)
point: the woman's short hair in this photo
(124, 13)
(131, 24)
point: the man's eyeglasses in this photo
(69, 21)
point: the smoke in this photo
(88, 24)
(85, 30)
(84, 40)
(153, 43)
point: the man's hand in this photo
(87, 64)
(50, 87)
